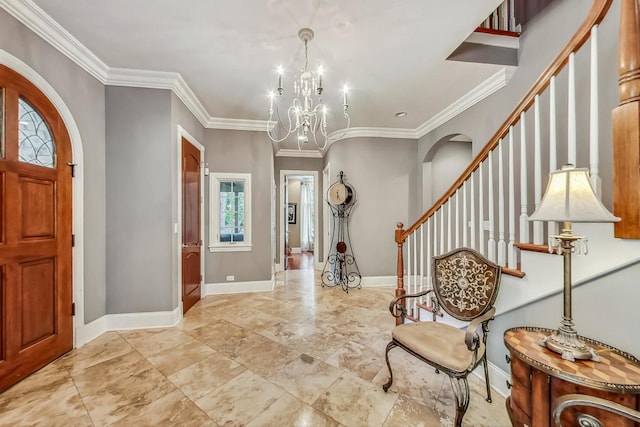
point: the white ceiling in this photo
(391, 54)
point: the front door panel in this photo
(35, 231)
(191, 243)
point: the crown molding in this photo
(237, 124)
(34, 18)
(288, 152)
(370, 132)
(475, 95)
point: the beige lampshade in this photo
(570, 197)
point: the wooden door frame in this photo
(280, 210)
(177, 227)
(81, 333)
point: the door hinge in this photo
(73, 308)
(73, 240)
(201, 278)
(73, 169)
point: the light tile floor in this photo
(301, 355)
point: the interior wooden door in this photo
(191, 242)
(35, 231)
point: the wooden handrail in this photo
(597, 13)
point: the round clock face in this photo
(339, 194)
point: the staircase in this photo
(488, 206)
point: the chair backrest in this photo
(466, 284)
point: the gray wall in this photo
(302, 164)
(139, 204)
(541, 41)
(85, 98)
(243, 152)
(605, 309)
(384, 175)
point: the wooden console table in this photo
(538, 376)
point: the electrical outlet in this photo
(231, 278)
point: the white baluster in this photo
(553, 138)
(524, 223)
(465, 223)
(409, 272)
(571, 113)
(472, 222)
(552, 227)
(481, 237)
(435, 234)
(441, 210)
(502, 245)
(512, 16)
(511, 250)
(415, 273)
(538, 237)
(594, 143)
(449, 224)
(457, 241)
(492, 241)
(421, 283)
(429, 256)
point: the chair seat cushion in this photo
(437, 342)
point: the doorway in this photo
(299, 224)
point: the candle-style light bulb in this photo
(345, 90)
(320, 71)
(280, 73)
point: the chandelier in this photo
(307, 115)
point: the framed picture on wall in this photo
(292, 213)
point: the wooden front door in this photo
(191, 243)
(35, 231)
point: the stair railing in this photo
(503, 18)
(485, 208)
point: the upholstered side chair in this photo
(465, 286)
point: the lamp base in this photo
(565, 342)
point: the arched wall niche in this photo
(442, 165)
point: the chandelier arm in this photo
(289, 131)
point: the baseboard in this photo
(382, 281)
(125, 321)
(498, 378)
(239, 287)
(90, 331)
(296, 250)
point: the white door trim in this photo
(77, 185)
(281, 208)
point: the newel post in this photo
(400, 267)
(626, 125)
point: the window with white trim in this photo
(230, 212)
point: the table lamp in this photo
(569, 198)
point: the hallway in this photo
(301, 355)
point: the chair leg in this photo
(386, 386)
(486, 378)
(461, 392)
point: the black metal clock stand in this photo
(340, 268)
